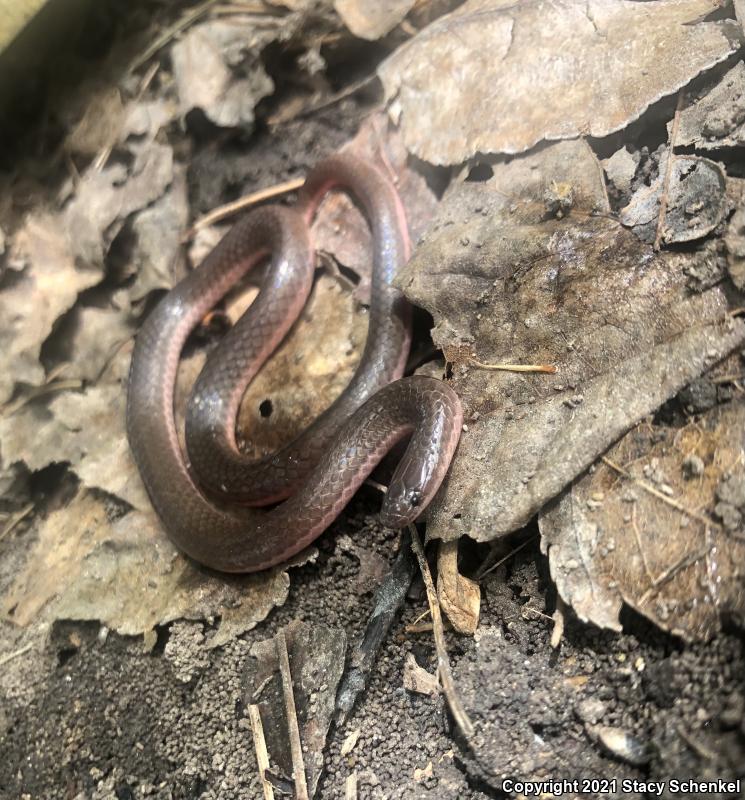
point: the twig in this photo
(171, 32)
(15, 519)
(262, 756)
(699, 748)
(483, 572)
(668, 172)
(296, 747)
(10, 656)
(514, 367)
(733, 378)
(342, 94)
(229, 209)
(443, 663)
(660, 496)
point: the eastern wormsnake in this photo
(319, 471)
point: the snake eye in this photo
(415, 497)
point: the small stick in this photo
(668, 172)
(296, 747)
(350, 787)
(347, 91)
(10, 656)
(171, 32)
(262, 756)
(660, 496)
(443, 663)
(229, 209)
(15, 519)
(483, 572)
(514, 367)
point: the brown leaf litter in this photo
(506, 281)
(499, 77)
(658, 525)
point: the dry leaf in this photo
(508, 282)
(696, 201)
(717, 119)
(33, 297)
(371, 19)
(105, 198)
(498, 77)
(417, 679)
(306, 373)
(669, 540)
(91, 563)
(734, 240)
(460, 597)
(100, 125)
(157, 232)
(218, 69)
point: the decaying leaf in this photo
(33, 297)
(101, 123)
(621, 168)
(696, 201)
(717, 119)
(218, 70)
(459, 596)
(104, 199)
(157, 232)
(508, 282)
(417, 679)
(89, 562)
(371, 19)
(498, 77)
(316, 655)
(735, 243)
(660, 525)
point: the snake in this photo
(206, 500)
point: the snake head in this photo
(402, 505)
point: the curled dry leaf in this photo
(460, 597)
(371, 19)
(90, 562)
(316, 654)
(417, 679)
(498, 77)
(657, 535)
(507, 282)
(716, 119)
(696, 201)
(218, 70)
(32, 298)
(89, 339)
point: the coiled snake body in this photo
(317, 474)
